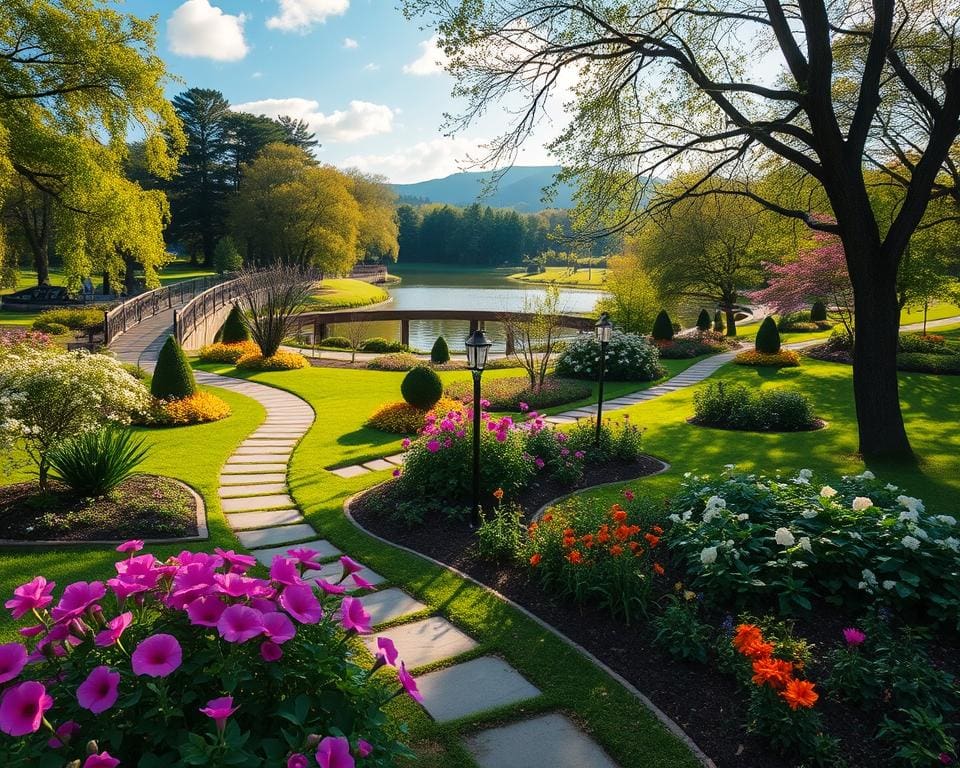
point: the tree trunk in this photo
(731, 319)
(43, 470)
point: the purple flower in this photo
(353, 616)
(206, 611)
(285, 570)
(115, 628)
(13, 658)
(157, 656)
(103, 760)
(63, 734)
(240, 623)
(76, 598)
(238, 563)
(523, 407)
(134, 545)
(540, 463)
(298, 760)
(334, 752)
(278, 627)
(22, 708)
(219, 710)
(854, 636)
(100, 690)
(386, 652)
(409, 684)
(364, 748)
(300, 602)
(433, 446)
(270, 651)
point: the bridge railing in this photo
(188, 318)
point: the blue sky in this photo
(366, 79)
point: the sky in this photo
(369, 82)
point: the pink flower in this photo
(115, 628)
(238, 563)
(854, 636)
(33, 595)
(353, 616)
(298, 760)
(100, 690)
(22, 708)
(386, 651)
(945, 759)
(350, 565)
(501, 436)
(103, 760)
(307, 557)
(329, 587)
(63, 734)
(364, 748)
(123, 588)
(524, 407)
(361, 582)
(540, 463)
(240, 623)
(278, 627)
(191, 581)
(405, 443)
(157, 656)
(76, 598)
(409, 684)
(237, 585)
(629, 495)
(13, 658)
(285, 570)
(36, 629)
(396, 472)
(300, 602)
(433, 446)
(206, 611)
(334, 752)
(134, 545)
(219, 710)
(270, 651)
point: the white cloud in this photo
(349, 43)
(198, 29)
(360, 120)
(431, 60)
(257, 75)
(372, 67)
(300, 15)
(424, 160)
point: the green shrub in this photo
(97, 461)
(703, 320)
(49, 326)
(508, 393)
(336, 342)
(768, 337)
(919, 342)
(719, 325)
(422, 387)
(226, 257)
(172, 377)
(136, 371)
(440, 353)
(736, 406)
(663, 327)
(818, 312)
(927, 362)
(86, 319)
(234, 328)
(398, 361)
(500, 535)
(681, 632)
(630, 357)
(380, 345)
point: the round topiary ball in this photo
(421, 387)
(703, 320)
(440, 353)
(663, 327)
(768, 337)
(718, 323)
(818, 312)
(234, 328)
(173, 376)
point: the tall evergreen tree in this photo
(297, 133)
(244, 138)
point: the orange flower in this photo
(548, 517)
(638, 552)
(657, 529)
(574, 557)
(535, 559)
(651, 539)
(569, 541)
(658, 569)
(622, 533)
(758, 650)
(800, 693)
(634, 530)
(633, 546)
(569, 532)
(603, 535)
(587, 540)
(774, 672)
(619, 515)
(616, 550)
(498, 494)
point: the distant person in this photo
(87, 288)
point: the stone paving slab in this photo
(548, 741)
(252, 489)
(397, 458)
(292, 435)
(245, 479)
(491, 683)
(251, 503)
(258, 458)
(252, 467)
(264, 450)
(248, 520)
(426, 641)
(268, 537)
(378, 465)
(334, 571)
(347, 472)
(389, 604)
(322, 547)
(268, 442)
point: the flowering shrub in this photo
(18, 338)
(919, 342)
(736, 406)
(685, 347)
(86, 319)
(507, 394)
(745, 537)
(279, 361)
(227, 353)
(190, 661)
(404, 419)
(400, 361)
(630, 357)
(785, 358)
(198, 408)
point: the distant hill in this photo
(519, 188)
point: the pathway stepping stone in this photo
(378, 465)
(334, 572)
(268, 537)
(252, 503)
(245, 479)
(258, 442)
(347, 472)
(389, 604)
(397, 458)
(247, 450)
(251, 467)
(549, 740)
(322, 547)
(259, 458)
(252, 489)
(491, 682)
(424, 642)
(247, 520)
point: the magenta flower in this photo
(353, 616)
(237, 585)
(115, 628)
(306, 557)
(329, 587)
(13, 658)
(945, 759)
(350, 565)
(219, 710)
(433, 446)
(103, 760)
(270, 651)
(629, 495)
(409, 684)
(396, 472)
(285, 570)
(76, 598)
(240, 623)
(540, 463)
(36, 629)
(361, 582)
(157, 656)
(123, 588)
(63, 734)
(278, 627)
(238, 563)
(33, 595)
(298, 760)
(334, 752)
(134, 545)
(206, 611)
(300, 602)
(386, 651)
(364, 748)
(100, 690)
(854, 636)
(22, 708)
(405, 443)
(192, 581)
(523, 407)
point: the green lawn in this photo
(345, 293)
(582, 278)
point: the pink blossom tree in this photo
(817, 274)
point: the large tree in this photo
(661, 87)
(378, 229)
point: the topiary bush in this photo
(440, 353)
(663, 327)
(422, 387)
(173, 377)
(703, 321)
(736, 406)
(718, 323)
(234, 328)
(768, 337)
(336, 342)
(380, 345)
(86, 319)
(630, 357)
(818, 312)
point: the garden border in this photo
(664, 719)
(203, 532)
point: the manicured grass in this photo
(345, 293)
(582, 278)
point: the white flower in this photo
(743, 516)
(806, 474)
(675, 518)
(784, 538)
(920, 533)
(891, 487)
(716, 501)
(708, 556)
(801, 481)
(909, 516)
(869, 577)
(947, 520)
(827, 492)
(809, 514)
(805, 543)
(910, 542)
(912, 504)
(888, 585)
(866, 475)
(952, 543)
(861, 503)
(688, 514)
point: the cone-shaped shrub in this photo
(421, 387)
(703, 321)
(173, 377)
(718, 325)
(818, 312)
(663, 327)
(768, 337)
(440, 353)
(234, 328)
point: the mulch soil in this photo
(703, 701)
(142, 506)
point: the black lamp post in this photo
(604, 331)
(478, 346)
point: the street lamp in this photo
(604, 331)
(478, 347)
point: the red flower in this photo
(535, 559)
(658, 569)
(574, 557)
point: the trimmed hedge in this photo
(506, 394)
(440, 353)
(768, 337)
(336, 342)
(663, 327)
(783, 359)
(173, 376)
(818, 312)
(234, 328)
(928, 362)
(281, 361)
(86, 319)
(380, 345)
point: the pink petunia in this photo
(237, 585)
(433, 446)
(239, 623)
(278, 627)
(386, 651)
(298, 760)
(307, 557)
(131, 546)
(36, 629)
(33, 595)
(361, 582)
(22, 708)
(219, 710)
(285, 570)
(114, 629)
(629, 495)
(123, 588)
(13, 658)
(353, 617)
(63, 734)
(206, 611)
(300, 602)
(329, 587)
(76, 598)
(239, 563)
(157, 656)
(350, 565)
(100, 690)
(334, 752)
(364, 748)
(409, 684)
(103, 760)
(192, 581)
(270, 651)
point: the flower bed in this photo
(515, 393)
(190, 661)
(281, 361)
(198, 408)
(702, 343)
(401, 418)
(785, 358)
(227, 353)
(630, 357)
